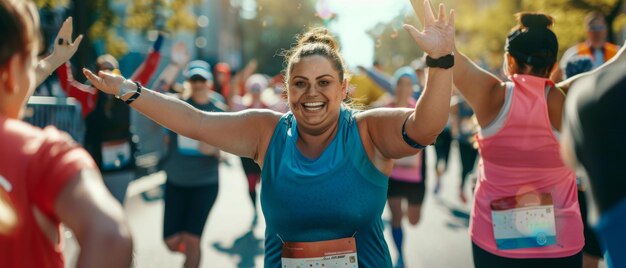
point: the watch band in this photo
(445, 62)
(136, 95)
(127, 87)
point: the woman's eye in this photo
(300, 84)
(324, 83)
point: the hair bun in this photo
(535, 20)
(318, 35)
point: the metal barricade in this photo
(61, 112)
(151, 148)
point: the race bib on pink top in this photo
(525, 221)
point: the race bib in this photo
(525, 221)
(115, 154)
(330, 253)
(187, 146)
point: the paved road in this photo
(439, 240)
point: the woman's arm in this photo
(85, 94)
(178, 58)
(146, 70)
(97, 219)
(245, 133)
(482, 90)
(454, 117)
(424, 123)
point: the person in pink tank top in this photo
(407, 178)
(525, 211)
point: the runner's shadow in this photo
(246, 246)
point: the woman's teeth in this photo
(313, 106)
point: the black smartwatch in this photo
(445, 62)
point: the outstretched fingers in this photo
(76, 42)
(94, 79)
(66, 28)
(451, 18)
(429, 17)
(415, 33)
(442, 13)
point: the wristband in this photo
(445, 62)
(136, 95)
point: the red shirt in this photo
(35, 165)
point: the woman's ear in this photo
(344, 89)
(9, 74)
(511, 64)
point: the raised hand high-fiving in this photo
(179, 54)
(437, 38)
(64, 47)
(106, 82)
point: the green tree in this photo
(482, 26)
(612, 9)
(169, 15)
(273, 29)
(51, 3)
(394, 47)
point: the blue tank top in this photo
(340, 194)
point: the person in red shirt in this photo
(46, 178)
(108, 136)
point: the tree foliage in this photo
(51, 3)
(482, 28)
(394, 47)
(273, 30)
(169, 15)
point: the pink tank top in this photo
(408, 169)
(522, 160)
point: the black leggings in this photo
(484, 259)
(187, 208)
(468, 158)
(442, 146)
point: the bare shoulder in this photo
(263, 121)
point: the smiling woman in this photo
(325, 167)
